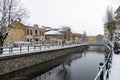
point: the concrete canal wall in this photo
(20, 61)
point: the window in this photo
(36, 40)
(30, 32)
(40, 33)
(35, 31)
(27, 31)
(27, 40)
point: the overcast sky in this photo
(80, 15)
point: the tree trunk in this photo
(1, 46)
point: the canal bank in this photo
(21, 61)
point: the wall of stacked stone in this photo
(16, 62)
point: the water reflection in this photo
(62, 72)
(78, 66)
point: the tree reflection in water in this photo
(62, 72)
(69, 71)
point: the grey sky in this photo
(80, 15)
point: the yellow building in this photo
(91, 38)
(17, 33)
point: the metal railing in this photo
(35, 48)
(104, 68)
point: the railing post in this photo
(44, 47)
(20, 49)
(40, 47)
(9, 50)
(34, 48)
(102, 74)
(107, 68)
(28, 48)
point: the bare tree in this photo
(67, 33)
(10, 10)
(110, 23)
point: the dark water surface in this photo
(78, 66)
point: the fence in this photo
(29, 48)
(104, 68)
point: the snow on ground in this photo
(115, 70)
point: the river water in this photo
(77, 66)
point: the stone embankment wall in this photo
(16, 62)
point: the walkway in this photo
(115, 69)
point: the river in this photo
(77, 66)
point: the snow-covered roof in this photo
(52, 32)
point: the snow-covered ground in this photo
(115, 69)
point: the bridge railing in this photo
(104, 68)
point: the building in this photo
(99, 38)
(58, 36)
(17, 33)
(76, 37)
(53, 37)
(35, 34)
(67, 34)
(91, 38)
(22, 33)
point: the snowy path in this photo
(115, 70)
